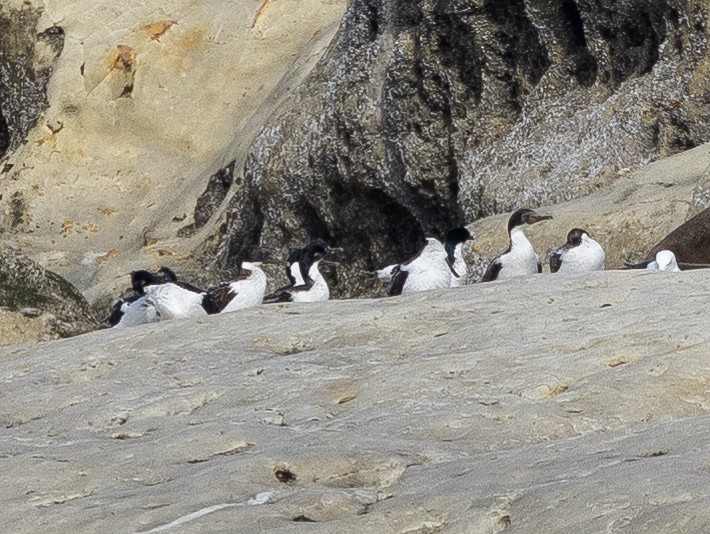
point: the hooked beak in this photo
(328, 262)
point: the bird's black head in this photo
(458, 235)
(574, 237)
(525, 216)
(167, 274)
(141, 279)
(453, 238)
(315, 251)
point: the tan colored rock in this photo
(146, 101)
(539, 404)
(628, 217)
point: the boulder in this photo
(36, 304)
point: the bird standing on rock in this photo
(428, 270)
(665, 261)
(245, 291)
(520, 258)
(179, 300)
(580, 254)
(136, 310)
(307, 283)
(455, 239)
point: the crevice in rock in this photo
(243, 228)
(522, 51)
(633, 39)
(25, 70)
(585, 65)
(210, 200)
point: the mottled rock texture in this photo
(423, 115)
(196, 134)
(36, 304)
(543, 404)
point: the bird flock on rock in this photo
(161, 296)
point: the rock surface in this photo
(424, 115)
(540, 404)
(192, 135)
(36, 304)
(145, 104)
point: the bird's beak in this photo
(368, 273)
(328, 262)
(537, 217)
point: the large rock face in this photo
(542, 404)
(148, 109)
(426, 114)
(194, 136)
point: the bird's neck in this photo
(518, 240)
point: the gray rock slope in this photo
(542, 404)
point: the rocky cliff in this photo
(195, 135)
(424, 115)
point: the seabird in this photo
(520, 258)
(580, 254)
(455, 239)
(665, 261)
(307, 283)
(428, 270)
(174, 299)
(245, 291)
(136, 310)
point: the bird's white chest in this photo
(137, 313)
(173, 302)
(588, 256)
(248, 293)
(318, 292)
(460, 267)
(522, 258)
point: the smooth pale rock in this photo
(539, 404)
(146, 102)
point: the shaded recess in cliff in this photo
(26, 60)
(428, 114)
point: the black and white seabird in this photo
(520, 258)
(135, 310)
(428, 270)
(175, 299)
(245, 291)
(665, 261)
(307, 283)
(580, 254)
(455, 239)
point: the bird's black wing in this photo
(640, 265)
(492, 271)
(221, 296)
(539, 266)
(280, 295)
(398, 279)
(555, 262)
(114, 317)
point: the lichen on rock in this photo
(28, 290)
